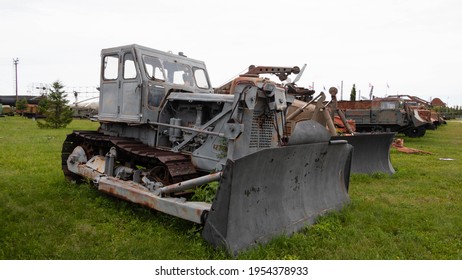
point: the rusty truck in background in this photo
(389, 114)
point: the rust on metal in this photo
(189, 210)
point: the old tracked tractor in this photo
(164, 132)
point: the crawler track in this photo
(169, 166)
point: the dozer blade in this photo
(277, 192)
(371, 153)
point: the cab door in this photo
(130, 90)
(109, 87)
(120, 97)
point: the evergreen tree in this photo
(42, 106)
(55, 109)
(21, 105)
(353, 93)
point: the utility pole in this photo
(15, 62)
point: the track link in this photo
(131, 151)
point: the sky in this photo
(406, 47)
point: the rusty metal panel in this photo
(97, 163)
(345, 105)
(359, 116)
(128, 190)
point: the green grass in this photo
(414, 214)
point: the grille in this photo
(262, 131)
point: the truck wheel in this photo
(422, 131)
(415, 132)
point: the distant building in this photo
(437, 102)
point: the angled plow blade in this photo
(371, 153)
(277, 192)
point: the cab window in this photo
(129, 67)
(178, 73)
(153, 68)
(201, 78)
(111, 67)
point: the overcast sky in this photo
(414, 47)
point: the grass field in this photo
(414, 214)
